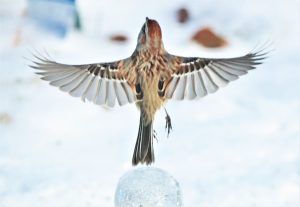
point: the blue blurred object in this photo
(56, 16)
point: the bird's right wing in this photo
(101, 83)
(196, 77)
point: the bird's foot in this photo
(168, 126)
(155, 135)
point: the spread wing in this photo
(100, 83)
(197, 77)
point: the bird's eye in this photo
(160, 85)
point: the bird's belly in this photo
(151, 101)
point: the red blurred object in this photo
(208, 38)
(183, 15)
(118, 38)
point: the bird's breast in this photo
(149, 77)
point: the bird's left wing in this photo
(101, 83)
(196, 77)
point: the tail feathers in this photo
(143, 151)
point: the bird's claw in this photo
(154, 135)
(168, 126)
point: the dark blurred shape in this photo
(208, 38)
(183, 15)
(55, 16)
(118, 38)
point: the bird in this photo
(149, 78)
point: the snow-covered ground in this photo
(238, 147)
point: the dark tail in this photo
(143, 151)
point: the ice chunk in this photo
(146, 187)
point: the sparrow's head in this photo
(150, 36)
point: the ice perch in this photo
(148, 186)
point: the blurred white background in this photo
(238, 147)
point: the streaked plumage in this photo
(149, 77)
